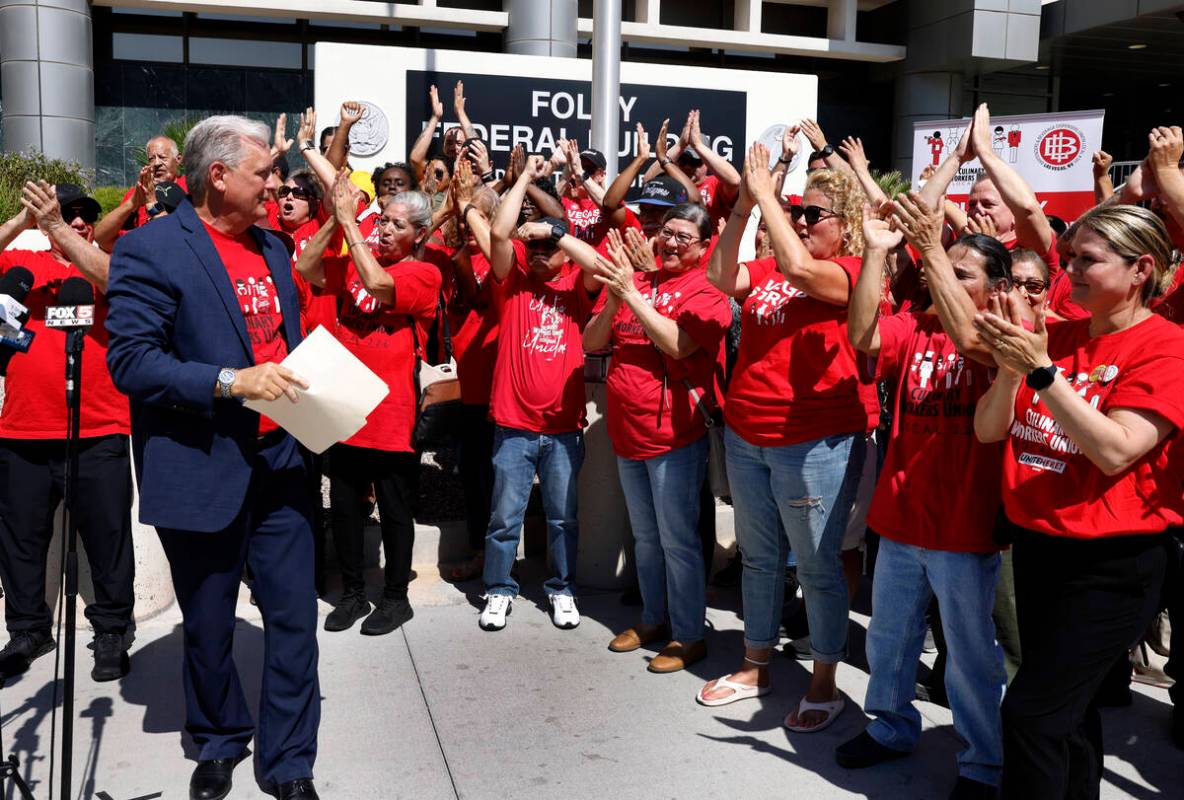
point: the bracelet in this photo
(355, 243)
(306, 146)
(783, 160)
(464, 214)
(665, 162)
(488, 176)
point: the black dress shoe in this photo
(211, 779)
(299, 789)
(111, 659)
(966, 789)
(23, 648)
(864, 751)
(389, 614)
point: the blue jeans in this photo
(906, 578)
(517, 456)
(662, 495)
(808, 488)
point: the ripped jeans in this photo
(806, 490)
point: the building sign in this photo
(535, 100)
(1052, 151)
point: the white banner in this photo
(1052, 151)
(535, 100)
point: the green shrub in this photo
(109, 196)
(893, 183)
(17, 168)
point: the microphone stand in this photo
(10, 769)
(75, 337)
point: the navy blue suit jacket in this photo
(174, 322)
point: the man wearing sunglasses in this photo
(164, 164)
(32, 448)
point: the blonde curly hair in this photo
(847, 199)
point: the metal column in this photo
(542, 27)
(606, 79)
(46, 65)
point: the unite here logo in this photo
(1059, 147)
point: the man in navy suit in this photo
(202, 310)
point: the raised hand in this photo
(982, 223)
(437, 106)
(878, 232)
(980, 132)
(345, 208)
(661, 146)
(616, 273)
(852, 150)
(145, 187)
(684, 137)
(308, 127)
(928, 172)
(790, 144)
(964, 150)
(1102, 161)
(1001, 328)
(40, 200)
(696, 134)
(458, 99)
(533, 231)
(462, 184)
(518, 160)
(351, 112)
(756, 172)
(281, 144)
(1166, 147)
(643, 142)
(920, 222)
(814, 134)
(480, 156)
(534, 167)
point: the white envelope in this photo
(341, 393)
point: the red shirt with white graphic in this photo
(257, 299)
(35, 389)
(1048, 483)
(650, 409)
(538, 381)
(381, 336)
(796, 378)
(317, 307)
(587, 219)
(712, 198)
(919, 499)
(475, 343)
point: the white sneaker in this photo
(493, 616)
(563, 611)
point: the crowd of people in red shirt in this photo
(997, 397)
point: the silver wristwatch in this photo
(225, 381)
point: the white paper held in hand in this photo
(341, 393)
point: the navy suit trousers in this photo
(273, 534)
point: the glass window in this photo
(244, 53)
(147, 47)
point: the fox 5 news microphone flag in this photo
(1053, 152)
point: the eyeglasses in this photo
(1032, 285)
(813, 214)
(294, 191)
(683, 239)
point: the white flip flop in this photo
(833, 709)
(740, 691)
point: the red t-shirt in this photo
(1048, 483)
(643, 420)
(141, 215)
(475, 342)
(257, 299)
(920, 499)
(381, 336)
(587, 220)
(35, 388)
(796, 378)
(711, 194)
(317, 307)
(538, 381)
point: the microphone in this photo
(15, 286)
(75, 308)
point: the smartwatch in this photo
(666, 161)
(557, 233)
(1041, 377)
(827, 151)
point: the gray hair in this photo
(418, 204)
(163, 138)
(218, 139)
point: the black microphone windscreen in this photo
(76, 292)
(16, 282)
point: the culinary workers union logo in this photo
(1060, 147)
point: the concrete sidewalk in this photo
(444, 710)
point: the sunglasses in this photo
(683, 239)
(813, 214)
(71, 214)
(1032, 285)
(294, 191)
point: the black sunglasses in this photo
(813, 214)
(295, 191)
(71, 214)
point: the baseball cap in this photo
(662, 191)
(689, 154)
(71, 195)
(593, 160)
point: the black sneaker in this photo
(111, 659)
(23, 648)
(353, 607)
(864, 751)
(389, 615)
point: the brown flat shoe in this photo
(676, 656)
(636, 636)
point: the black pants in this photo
(396, 486)
(1081, 605)
(32, 478)
(476, 472)
(1173, 601)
